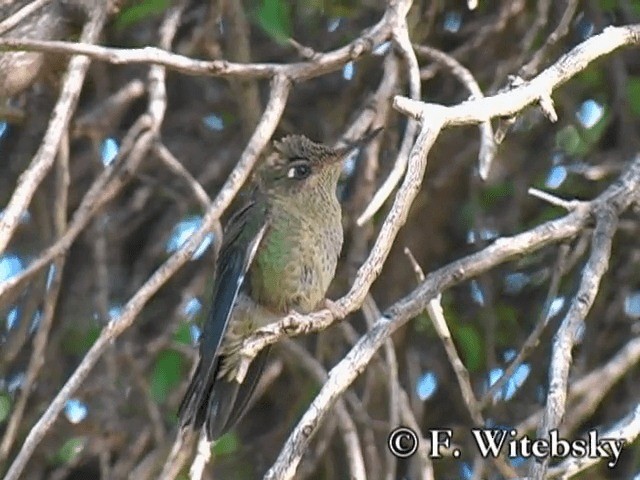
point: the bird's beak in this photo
(347, 150)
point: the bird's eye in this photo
(299, 171)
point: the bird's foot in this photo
(336, 310)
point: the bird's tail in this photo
(218, 403)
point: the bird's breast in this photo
(296, 260)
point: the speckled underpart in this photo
(279, 254)
(300, 252)
(297, 258)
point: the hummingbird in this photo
(279, 254)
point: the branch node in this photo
(307, 53)
(359, 47)
(569, 205)
(546, 104)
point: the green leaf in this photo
(466, 215)
(508, 318)
(182, 334)
(226, 444)
(77, 342)
(140, 11)
(608, 5)
(491, 195)
(471, 346)
(167, 374)
(423, 323)
(591, 78)
(228, 117)
(70, 450)
(274, 16)
(5, 407)
(581, 141)
(593, 135)
(633, 94)
(568, 139)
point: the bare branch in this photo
(502, 250)
(40, 342)
(511, 102)
(345, 424)
(488, 145)
(560, 31)
(319, 65)
(401, 39)
(554, 200)
(10, 22)
(44, 158)
(295, 324)
(626, 430)
(568, 333)
(438, 116)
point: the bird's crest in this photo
(296, 147)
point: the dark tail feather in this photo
(192, 410)
(217, 402)
(229, 400)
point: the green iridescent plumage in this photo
(279, 254)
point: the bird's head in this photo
(298, 164)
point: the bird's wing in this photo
(242, 238)
(229, 400)
(243, 234)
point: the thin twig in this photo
(13, 20)
(345, 422)
(165, 155)
(126, 464)
(178, 455)
(488, 145)
(500, 251)
(100, 119)
(58, 124)
(51, 299)
(434, 309)
(319, 65)
(567, 335)
(568, 205)
(400, 35)
(626, 430)
(203, 455)
(245, 91)
(532, 340)
(508, 11)
(561, 30)
(597, 383)
(586, 393)
(438, 117)
(371, 311)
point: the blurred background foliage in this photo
(122, 420)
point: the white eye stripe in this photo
(299, 172)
